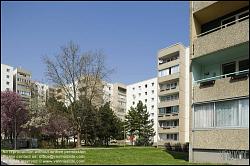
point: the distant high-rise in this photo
(22, 84)
(6, 78)
(173, 90)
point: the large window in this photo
(232, 113)
(168, 86)
(169, 71)
(169, 97)
(227, 113)
(168, 110)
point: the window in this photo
(152, 84)
(7, 89)
(139, 87)
(232, 113)
(8, 70)
(109, 88)
(152, 114)
(139, 94)
(203, 115)
(152, 107)
(228, 20)
(244, 65)
(152, 99)
(146, 100)
(175, 69)
(146, 93)
(229, 68)
(146, 85)
(133, 88)
(164, 72)
(227, 113)
(7, 82)
(7, 76)
(168, 110)
(133, 103)
(152, 91)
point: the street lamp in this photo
(124, 135)
(15, 126)
(78, 136)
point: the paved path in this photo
(8, 161)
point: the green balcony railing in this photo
(221, 76)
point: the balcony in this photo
(171, 116)
(163, 92)
(168, 129)
(198, 5)
(222, 37)
(168, 77)
(220, 87)
(168, 103)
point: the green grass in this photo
(127, 155)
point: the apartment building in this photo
(50, 92)
(6, 78)
(22, 84)
(39, 91)
(173, 94)
(145, 91)
(219, 82)
(118, 99)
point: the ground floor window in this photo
(231, 113)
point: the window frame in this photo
(240, 126)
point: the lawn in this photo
(126, 155)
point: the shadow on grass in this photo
(178, 155)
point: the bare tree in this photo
(77, 74)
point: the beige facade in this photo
(173, 94)
(39, 92)
(219, 82)
(118, 102)
(22, 84)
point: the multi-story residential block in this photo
(50, 92)
(145, 91)
(219, 82)
(118, 99)
(22, 84)
(93, 89)
(39, 91)
(173, 95)
(6, 78)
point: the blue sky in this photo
(129, 33)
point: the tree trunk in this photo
(78, 139)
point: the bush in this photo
(168, 146)
(143, 142)
(186, 147)
(44, 144)
(178, 147)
